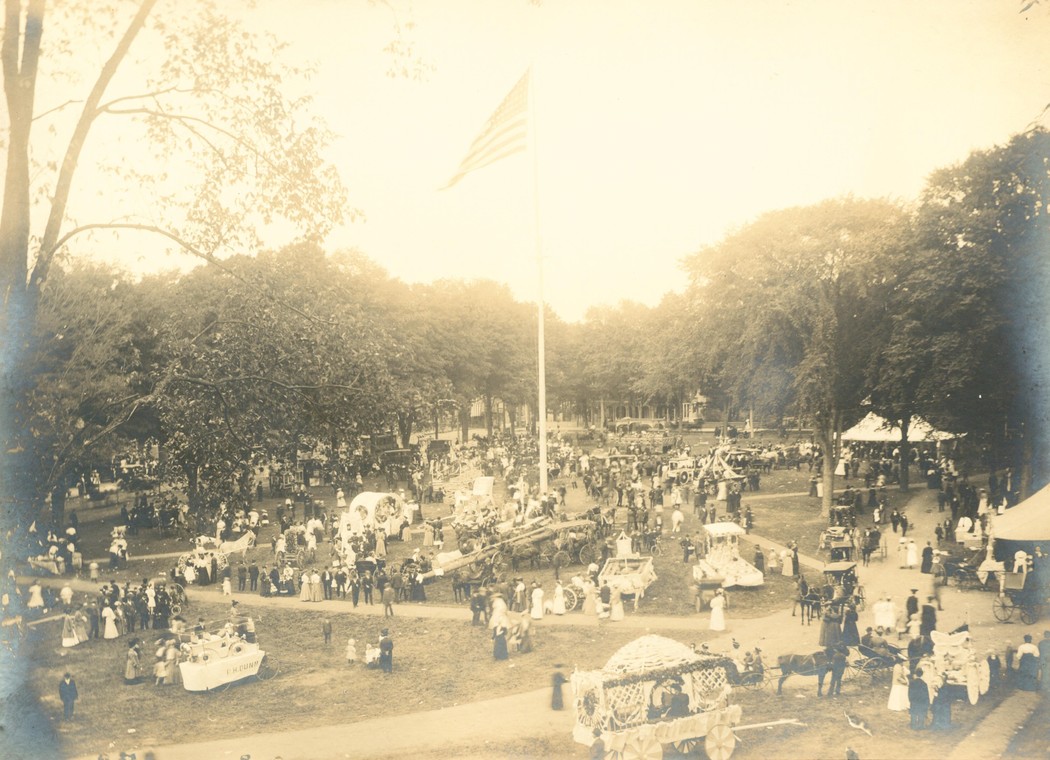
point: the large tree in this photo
(982, 290)
(793, 304)
(188, 88)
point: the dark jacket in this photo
(67, 690)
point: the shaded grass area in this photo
(437, 664)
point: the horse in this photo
(817, 664)
(809, 605)
(242, 545)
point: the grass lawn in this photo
(437, 663)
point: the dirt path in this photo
(518, 717)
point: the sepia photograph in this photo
(525, 380)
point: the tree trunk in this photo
(464, 423)
(826, 438)
(905, 453)
(488, 415)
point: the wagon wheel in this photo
(720, 742)
(570, 599)
(1029, 614)
(973, 683)
(221, 560)
(986, 677)
(499, 565)
(176, 608)
(181, 564)
(268, 668)
(641, 747)
(544, 556)
(751, 682)
(859, 598)
(1002, 608)
(561, 558)
(587, 554)
(871, 668)
(687, 746)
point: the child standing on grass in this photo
(351, 652)
(159, 671)
(326, 629)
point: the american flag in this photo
(504, 134)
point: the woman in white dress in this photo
(340, 499)
(902, 553)
(109, 619)
(536, 613)
(718, 616)
(615, 605)
(590, 598)
(304, 590)
(899, 689)
(558, 605)
(316, 592)
(380, 543)
(912, 558)
(786, 568)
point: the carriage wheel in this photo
(1028, 614)
(570, 599)
(687, 746)
(268, 668)
(544, 557)
(562, 558)
(181, 564)
(973, 683)
(872, 669)
(499, 566)
(1002, 608)
(640, 747)
(587, 554)
(720, 742)
(176, 608)
(751, 682)
(221, 560)
(940, 574)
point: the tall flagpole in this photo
(540, 359)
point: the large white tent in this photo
(876, 429)
(1028, 521)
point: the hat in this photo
(914, 590)
(385, 632)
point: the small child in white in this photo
(351, 652)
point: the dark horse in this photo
(816, 664)
(809, 605)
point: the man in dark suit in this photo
(242, 577)
(919, 699)
(386, 651)
(253, 576)
(67, 692)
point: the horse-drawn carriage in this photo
(536, 542)
(631, 576)
(840, 579)
(1019, 591)
(838, 542)
(657, 691)
(221, 654)
(206, 549)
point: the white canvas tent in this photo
(876, 429)
(371, 509)
(1028, 521)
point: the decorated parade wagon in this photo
(656, 691)
(722, 561)
(955, 663)
(222, 654)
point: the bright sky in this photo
(661, 125)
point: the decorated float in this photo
(373, 510)
(222, 654)
(656, 691)
(722, 562)
(955, 663)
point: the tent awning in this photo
(876, 429)
(1028, 521)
